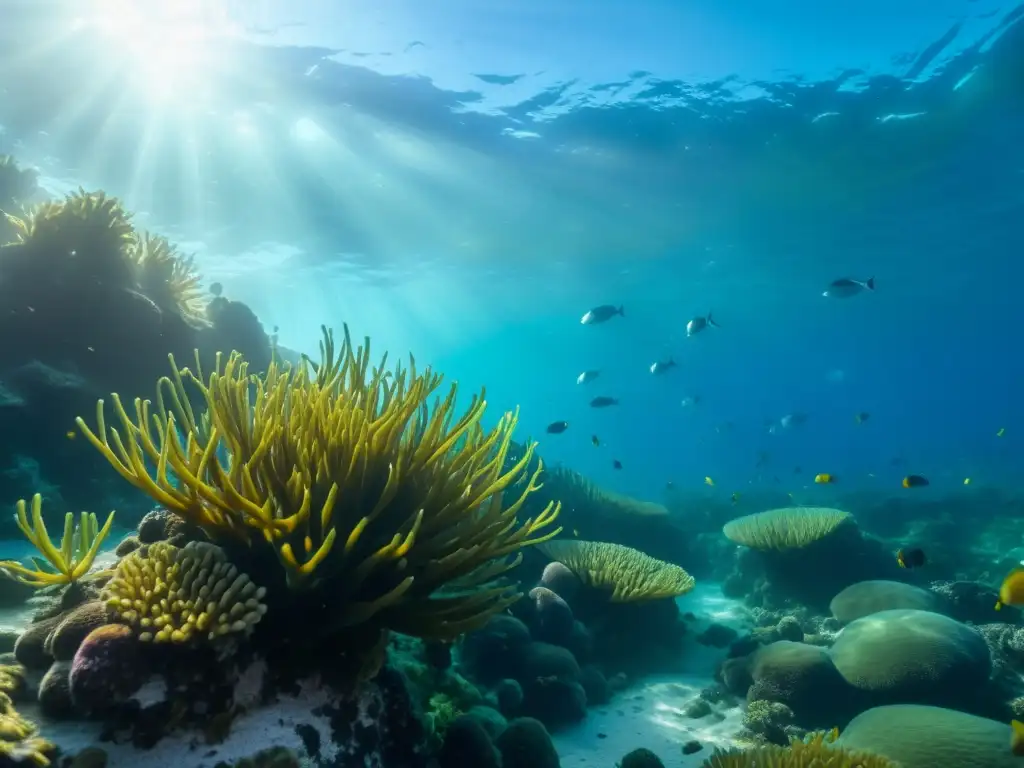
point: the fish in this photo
(602, 314)
(71, 434)
(915, 481)
(825, 479)
(662, 367)
(861, 417)
(603, 402)
(735, 497)
(595, 440)
(1017, 738)
(793, 420)
(616, 464)
(709, 481)
(1001, 432)
(967, 481)
(690, 400)
(912, 557)
(216, 289)
(845, 287)
(698, 324)
(1011, 591)
(587, 376)
(557, 427)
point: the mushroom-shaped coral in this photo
(372, 508)
(177, 595)
(78, 547)
(867, 597)
(787, 528)
(818, 750)
(628, 574)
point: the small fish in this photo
(576, 532)
(709, 481)
(915, 481)
(690, 400)
(616, 464)
(735, 497)
(587, 376)
(71, 434)
(845, 287)
(825, 479)
(698, 324)
(603, 402)
(1001, 432)
(669, 485)
(861, 417)
(601, 314)
(793, 420)
(596, 441)
(557, 427)
(1017, 738)
(967, 481)
(910, 558)
(1011, 592)
(216, 289)
(763, 459)
(662, 367)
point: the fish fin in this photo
(622, 309)
(870, 283)
(711, 321)
(999, 605)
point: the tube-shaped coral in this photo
(389, 510)
(78, 547)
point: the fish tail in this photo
(999, 605)
(870, 283)
(711, 321)
(622, 309)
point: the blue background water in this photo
(464, 182)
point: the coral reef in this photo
(91, 305)
(867, 597)
(820, 749)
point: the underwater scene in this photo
(478, 384)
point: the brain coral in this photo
(787, 528)
(931, 737)
(909, 656)
(867, 597)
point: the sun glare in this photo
(170, 47)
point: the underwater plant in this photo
(85, 228)
(16, 184)
(78, 547)
(818, 750)
(338, 488)
(167, 276)
(630, 575)
(787, 528)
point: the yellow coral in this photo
(629, 574)
(31, 751)
(787, 528)
(174, 595)
(388, 509)
(78, 547)
(167, 276)
(83, 224)
(817, 751)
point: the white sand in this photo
(650, 714)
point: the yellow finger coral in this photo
(382, 507)
(627, 573)
(176, 595)
(168, 277)
(78, 547)
(787, 528)
(86, 228)
(817, 751)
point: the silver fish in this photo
(587, 376)
(662, 367)
(602, 314)
(698, 324)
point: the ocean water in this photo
(462, 181)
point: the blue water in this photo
(464, 180)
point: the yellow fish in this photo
(1012, 590)
(709, 481)
(70, 434)
(967, 481)
(1017, 738)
